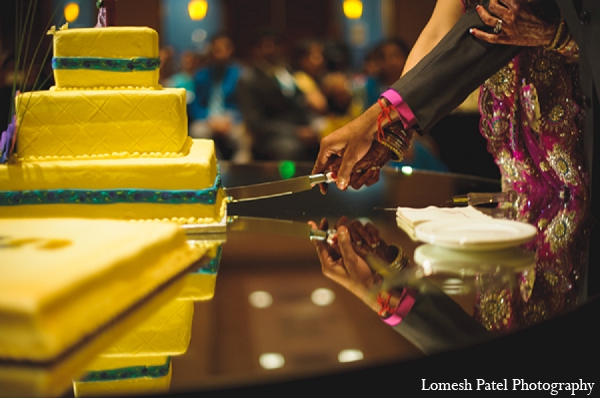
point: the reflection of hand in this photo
(520, 26)
(344, 260)
(344, 266)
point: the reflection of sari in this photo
(534, 127)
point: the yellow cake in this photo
(24, 379)
(107, 141)
(62, 279)
(199, 285)
(166, 332)
(101, 123)
(124, 376)
(132, 50)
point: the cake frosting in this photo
(166, 332)
(107, 141)
(100, 122)
(185, 189)
(62, 279)
(139, 361)
(200, 284)
(115, 56)
(124, 376)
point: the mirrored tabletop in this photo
(273, 315)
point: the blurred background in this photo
(346, 51)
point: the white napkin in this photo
(408, 218)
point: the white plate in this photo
(475, 234)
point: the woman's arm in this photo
(445, 14)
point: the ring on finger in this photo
(498, 26)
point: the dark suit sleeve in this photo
(436, 323)
(444, 78)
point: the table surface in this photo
(229, 335)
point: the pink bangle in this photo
(407, 299)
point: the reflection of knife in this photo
(276, 188)
(278, 227)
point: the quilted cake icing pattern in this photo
(87, 122)
(94, 149)
(113, 43)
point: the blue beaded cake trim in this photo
(213, 266)
(110, 196)
(132, 372)
(106, 64)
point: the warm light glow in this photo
(71, 12)
(350, 355)
(260, 299)
(197, 9)
(407, 170)
(271, 360)
(322, 297)
(353, 9)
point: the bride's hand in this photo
(514, 23)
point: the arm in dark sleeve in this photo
(444, 78)
(436, 323)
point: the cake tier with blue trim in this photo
(184, 189)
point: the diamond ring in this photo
(498, 26)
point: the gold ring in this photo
(498, 26)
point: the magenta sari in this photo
(532, 120)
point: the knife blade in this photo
(278, 227)
(276, 188)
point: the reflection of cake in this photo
(107, 141)
(200, 284)
(166, 332)
(125, 375)
(138, 362)
(64, 279)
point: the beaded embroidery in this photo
(532, 121)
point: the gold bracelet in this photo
(397, 139)
(557, 37)
(568, 48)
(400, 262)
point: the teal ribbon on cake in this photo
(106, 64)
(213, 266)
(110, 196)
(132, 372)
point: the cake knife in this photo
(276, 188)
(279, 227)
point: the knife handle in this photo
(330, 236)
(322, 178)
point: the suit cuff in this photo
(406, 115)
(407, 299)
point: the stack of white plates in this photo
(478, 235)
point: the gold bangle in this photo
(568, 48)
(397, 139)
(400, 262)
(557, 36)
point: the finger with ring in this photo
(498, 26)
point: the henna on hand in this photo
(520, 24)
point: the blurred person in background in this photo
(189, 63)
(167, 64)
(309, 66)
(275, 110)
(215, 112)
